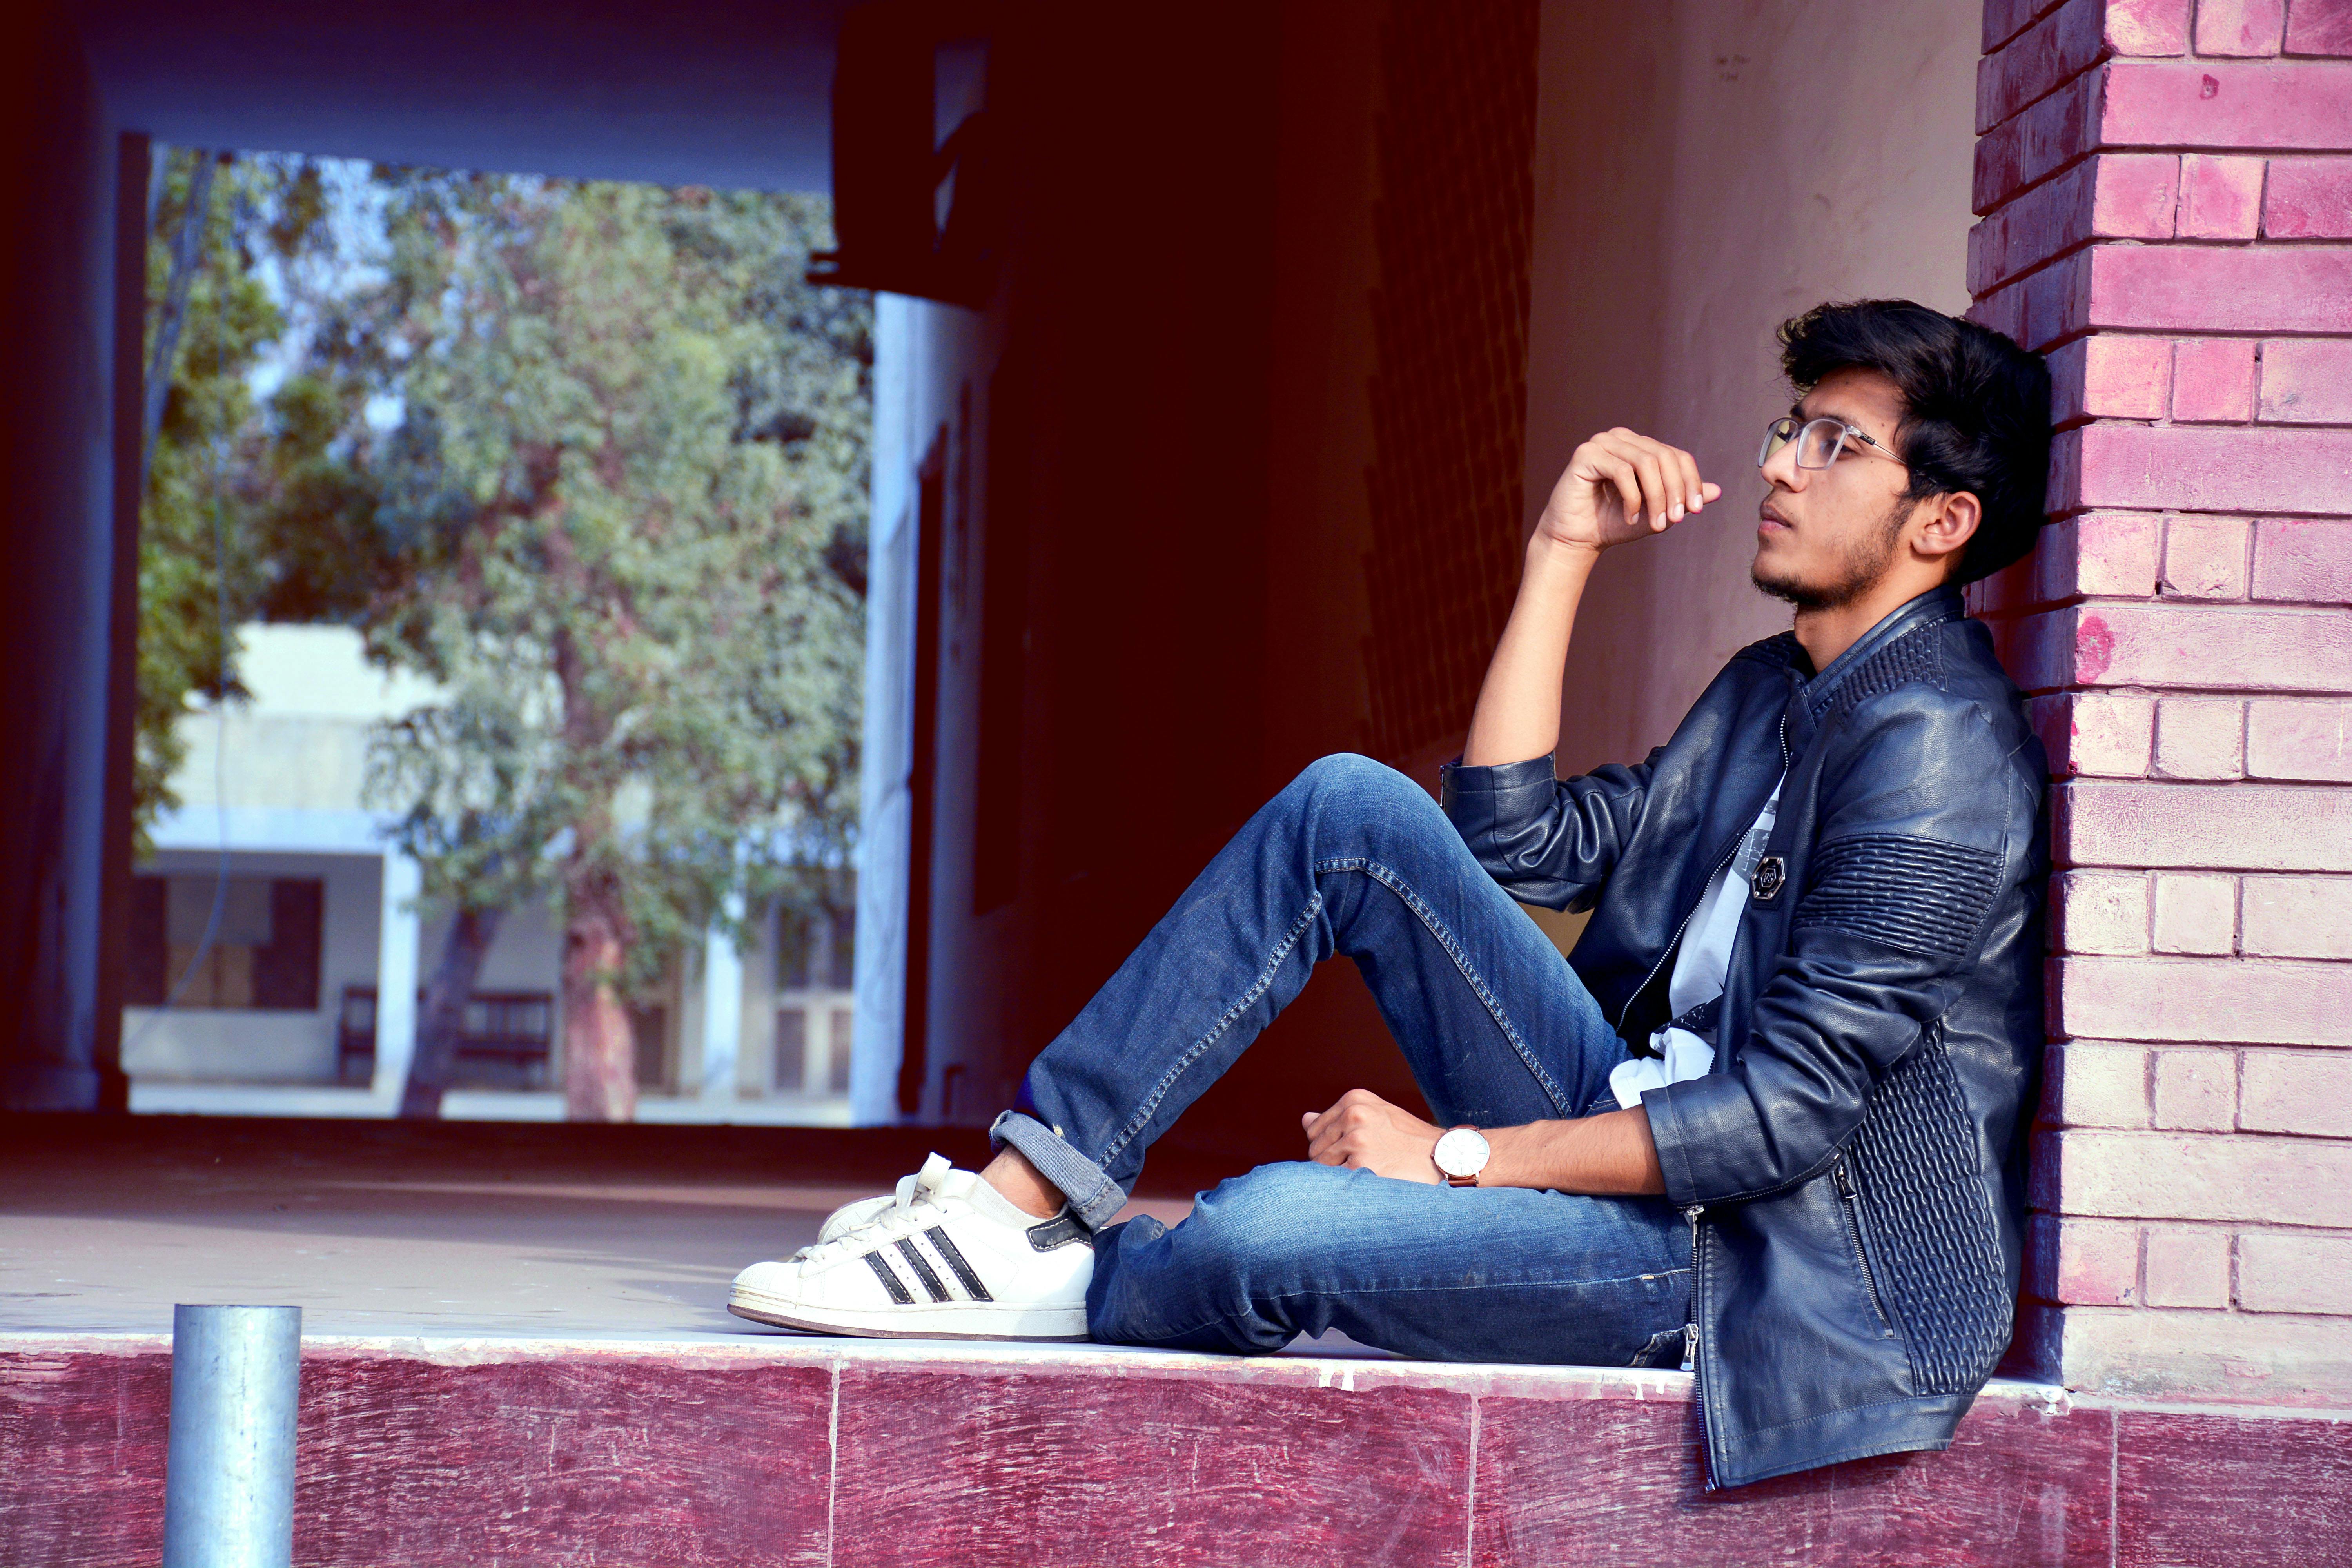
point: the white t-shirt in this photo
(1699, 969)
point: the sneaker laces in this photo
(919, 1205)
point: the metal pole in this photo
(228, 1488)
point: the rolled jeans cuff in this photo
(1093, 1196)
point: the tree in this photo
(233, 486)
(620, 523)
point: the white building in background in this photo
(304, 1002)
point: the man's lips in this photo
(1769, 520)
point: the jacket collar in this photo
(1930, 608)
(1810, 700)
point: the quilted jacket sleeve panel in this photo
(1919, 827)
(1549, 841)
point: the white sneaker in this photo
(949, 1258)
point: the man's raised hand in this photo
(1619, 486)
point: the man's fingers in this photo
(1671, 484)
(1681, 488)
(1687, 472)
(1662, 505)
(1628, 485)
(1325, 1129)
(1623, 450)
(1325, 1147)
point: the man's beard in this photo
(1864, 563)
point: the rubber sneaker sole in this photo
(934, 1320)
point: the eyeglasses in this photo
(1818, 442)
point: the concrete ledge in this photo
(780, 1449)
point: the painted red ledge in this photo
(2193, 1491)
(768, 1451)
(2019, 1487)
(1045, 1469)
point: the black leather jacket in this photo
(1853, 1166)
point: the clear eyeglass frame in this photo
(1818, 442)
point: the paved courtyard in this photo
(379, 1228)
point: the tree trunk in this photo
(600, 1063)
(442, 1019)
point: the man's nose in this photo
(1780, 470)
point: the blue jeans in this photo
(1354, 858)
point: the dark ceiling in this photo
(690, 92)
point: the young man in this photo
(1766, 1122)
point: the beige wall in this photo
(1706, 169)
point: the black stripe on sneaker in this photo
(923, 1270)
(889, 1278)
(938, 1238)
(1062, 1230)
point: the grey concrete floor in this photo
(458, 1230)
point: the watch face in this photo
(1462, 1152)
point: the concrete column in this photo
(56, 610)
(722, 1013)
(395, 976)
(901, 332)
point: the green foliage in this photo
(618, 514)
(228, 480)
(630, 458)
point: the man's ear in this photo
(1943, 527)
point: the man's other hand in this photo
(1621, 486)
(1367, 1133)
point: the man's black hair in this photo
(1977, 409)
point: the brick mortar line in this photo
(2210, 1045)
(2170, 242)
(2311, 1319)
(2214, 693)
(2255, 960)
(2247, 426)
(2074, 162)
(2319, 1321)
(2050, 606)
(2311, 1232)
(1993, 48)
(2110, 57)
(2073, 336)
(2316, 1053)
(2250, 427)
(2098, 598)
(2269, 1049)
(2095, 597)
(2171, 422)
(2283, 1227)
(2107, 53)
(2200, 694)
(2235, 960)
(2234, 1227)
(2102, 598)
(2268, 154)
(2200, 334)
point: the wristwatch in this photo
(1460, 1155)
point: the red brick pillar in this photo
(2165, 204)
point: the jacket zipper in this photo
(1690, 1329)
(1851, 1201)
(1675, 941)
(1690, 1348)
